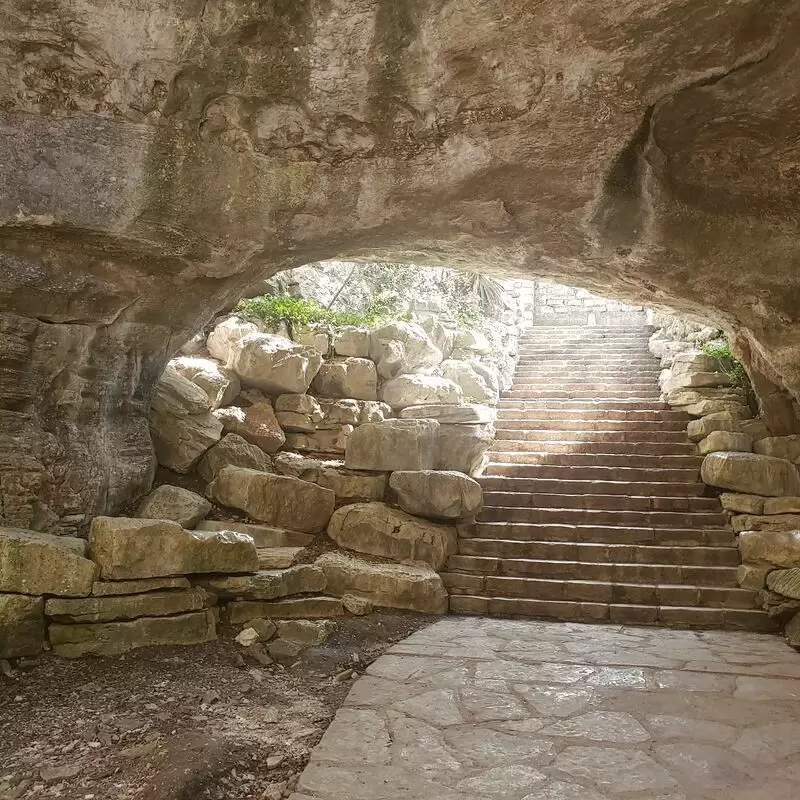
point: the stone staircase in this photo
(593, 505)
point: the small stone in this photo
(344, 675)
(360, 606)
(257, 653)
(752, 576)
(264, 627)
(273, 762)
(64, 773)
(306, 632)
(247, 637)
(284, 650)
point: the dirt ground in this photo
(179, 723)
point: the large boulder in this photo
(144, 548)
(221, 385)
(441, 337)
(113, 638)
(351, 341)
(394, 444)
(401, 347)
(232, 451)
(268, 584)
(785, 582)
(177, 396)
(386, 585)
(780, 548)
(787, 447)
(463, 447)
(693, 361)
(725, 441)
(691, 380)
(21, 625)
(688, 397)
(437, 494)
(274, 364)
(298, 413)
(347, 484)
(470, 414)
(478, 382)
(417, 389)
(751, 473)
(278, 500)
(352, 412)
(379, 530)
(256, 424)
(771, 522)
(350, 377)
(180, 442)
(698, 429)
(128, 606)
(174, 503)
(39, 563)
(226, 334)
(472, 342)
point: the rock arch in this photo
(160, 157)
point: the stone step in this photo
(627, 475)
(590, 424)
(506, 496)
(578, 394)
(608, 530)
(619, 613)
(578, 516)
(620, 415)
(534, 377)
(593, 552)
(596, 459)
(599, 591)
(553, 569)
(584, 405)
(635, 435)
(620, 488)
(574, 446)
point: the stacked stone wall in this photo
(556, 304)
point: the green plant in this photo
(274, 309)
(728, 363)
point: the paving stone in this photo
(601, 726)
(615, 770)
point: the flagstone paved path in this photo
(523, 710)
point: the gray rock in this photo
(221, 385)
(174, 503)
(393, 444)
(274, 364)
(232, 451)
(356, 378)
(750, 473)
(21, 625)
(437, 494)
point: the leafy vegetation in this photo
(274, 309)
(728, 363)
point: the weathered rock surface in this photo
(781, 505)
(112, 588)
(413, 588)
(351, 341)
(172, 502)
(437, 494)
(180, 442)
(256, 424)
(113, 638)
(39, 563)
(21, 625)
(785, 582)
(463, 447)
(379, 530)
(262, 535)
(177, 396)
(221, 385)
(295, 608)
(752, 576)
(698, 429)
(279, 500)
(327, 442)
(787, 447)
(775, 522)
(416, 389)
(277, 557)
(298, 413)
(128, 606)
(232, 451)
(742, 503)
(227, 333)
(469, 414)
(750, 473)
(725, 441)
(780, 548)
(478, 382)
(348, 485)
(268, 584)
(394, 444)
(401, 347)
(139, 548)
(352, 412)
(305, 632)
(350, 377)
(792, 631)
(274, 364)
(174, 183)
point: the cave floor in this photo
(524, 710)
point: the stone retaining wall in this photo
(757, 472)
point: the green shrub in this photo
(728, 363)
(273, 309)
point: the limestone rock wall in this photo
(162, 157)
(758, 472)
